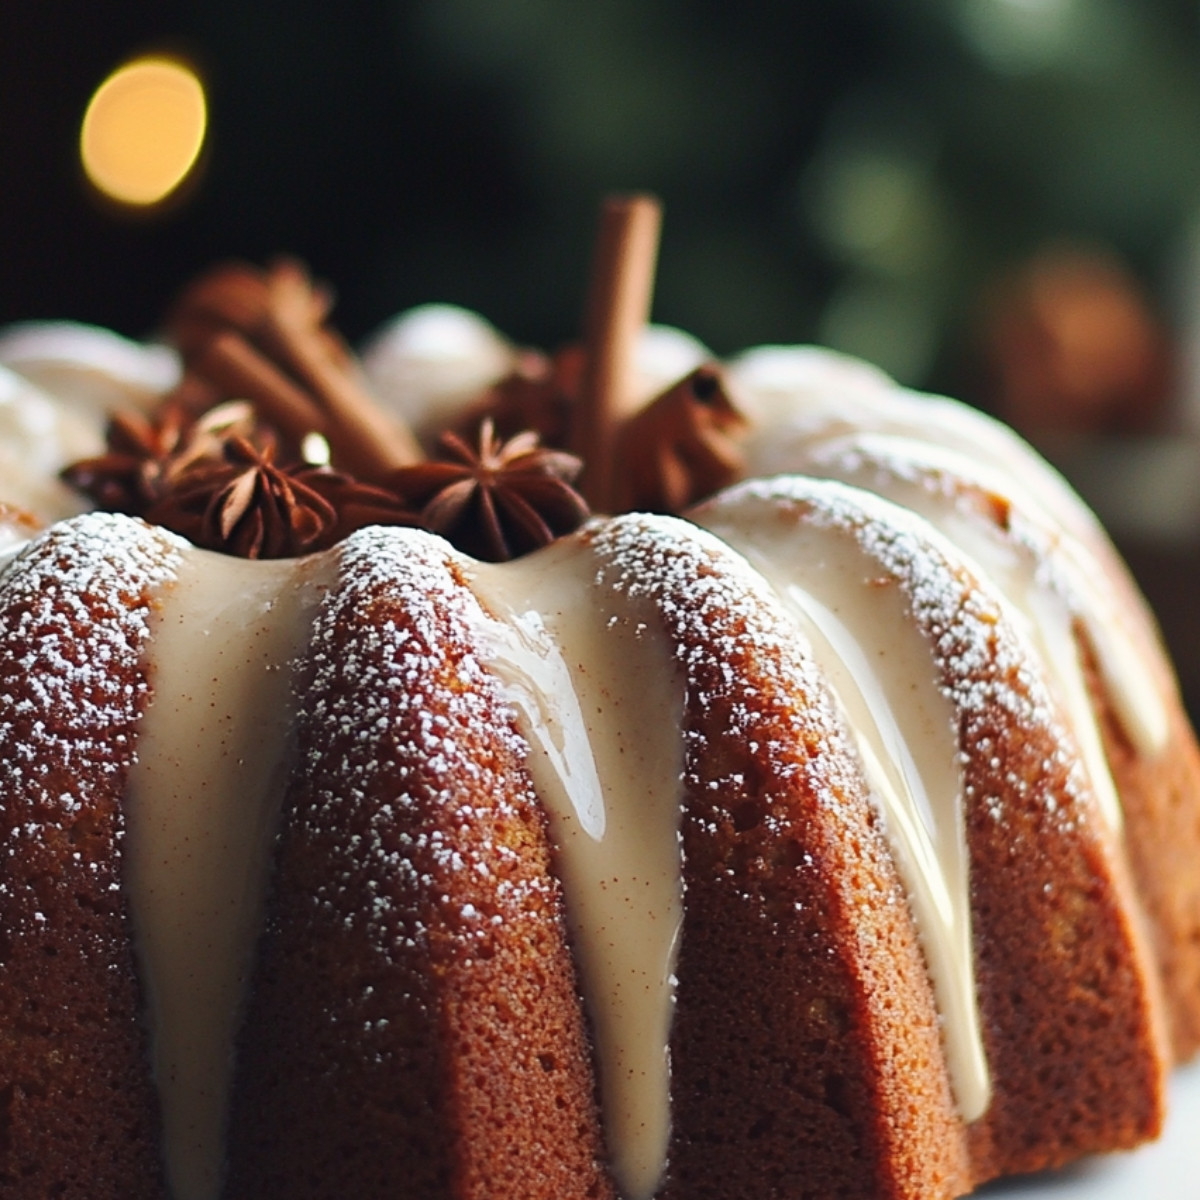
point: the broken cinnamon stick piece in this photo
(681, 447)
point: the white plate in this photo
(1167, 1170)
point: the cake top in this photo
(274, 440)
(270, 445)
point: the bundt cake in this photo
(835, 838)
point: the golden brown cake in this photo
(837, 838)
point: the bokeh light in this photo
(143, 131)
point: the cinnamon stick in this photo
(681, 447)
(228, 361)
(365, 439)
(618, 306)
(262, 336)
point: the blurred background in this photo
(995, 198)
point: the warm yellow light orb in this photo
(143, 130)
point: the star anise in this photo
(498, 500)
(145, 454)
(245, 504)
(536, 394)
(123, 478)
(219, 480)
(356, 504)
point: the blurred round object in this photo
(143, 130)
(91, 369)
(1071, 345)
(427, 364)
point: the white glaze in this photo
(429, 363)
(91, 370)
(38, 437)
(809, 409)
(1051, 579)
(599, 701)
(14, 536)
(201, 810)
(887, 681)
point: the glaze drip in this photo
(589, 673)
(202, 806)
(817, 413)
(853, 611)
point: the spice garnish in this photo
(681, 447)
(618, 306)
(244, 503)
(537, 394)
(146, 455)
(498, 499)
(235, 477)
(262, 336)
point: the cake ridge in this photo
(445, 865)
(1021, 775)
(74, 621)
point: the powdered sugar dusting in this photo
(717, 612)
(985, 663)
(75, 616)
(381, 686)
